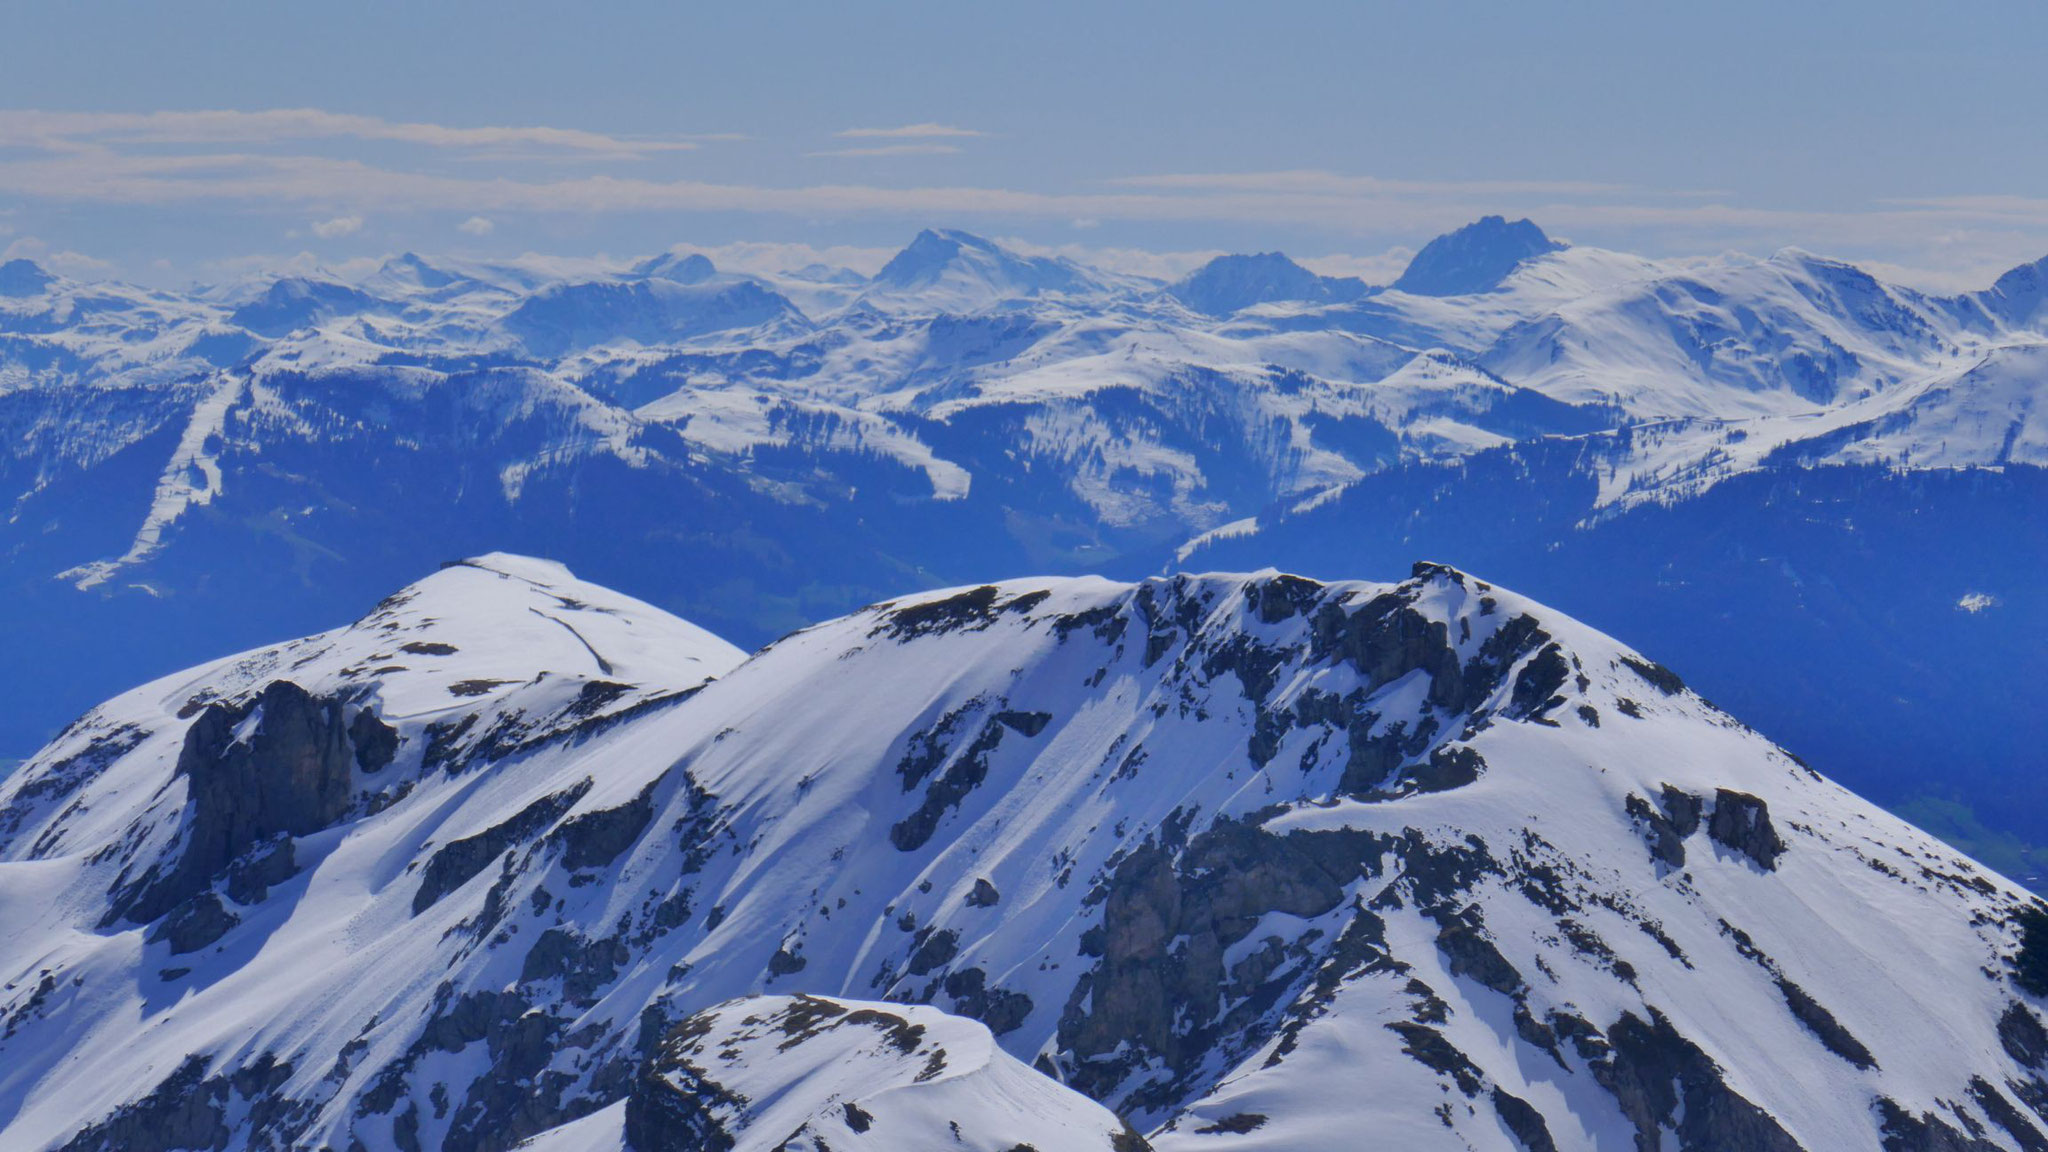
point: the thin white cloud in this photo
(125, 160)
(337, 227)
(908, 132)
(892, 150)
(78, 265)
(1380, 268)
(477, 226)
(770, 259)
(1317, 182)
(256, 266)
(66, 262)
(74, 131)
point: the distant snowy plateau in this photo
(1059, 864)
(1817, 492)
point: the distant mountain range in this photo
(1816, 490)
(1199, 862)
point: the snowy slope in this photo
(947, 270)
(187, 472)
(1255, 862)
(1057, 386)
(1792, 333)
(810, 1074)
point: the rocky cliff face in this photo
(1250, 862)
(279, 765)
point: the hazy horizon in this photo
(216, 138)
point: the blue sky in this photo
(192, 140)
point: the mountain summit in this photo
(1475, 258)
(965, 272)
(1230, 283)
(1250, 861)
(24, 278)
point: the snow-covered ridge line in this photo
(1251, 861)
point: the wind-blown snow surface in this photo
(1253, 861)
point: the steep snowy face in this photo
(1985, 411)
(485, 658)
(2018, 297)
(1230, 284)
(1475, 258)
(952, 271)
(564, 318)
(1254, 862)
(296, 303)
(685, 268)
(216, 801)
(1795, 333)
(24, 278)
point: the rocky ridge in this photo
(1248, 861)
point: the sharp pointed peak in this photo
(24, 277)
(1475, 258)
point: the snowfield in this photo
(1236, 861)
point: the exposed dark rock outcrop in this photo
(1742, 823)
(190, 1110)
(595, 839)
(376, 742)
(972, 611)
(1200, 898)
(291, 774)
(1430, 1048)
(2021, 1035)
(1656, 675)
(1463, 941)
(1235, 1124)
(1804, 1008)
(458, 861)
(1822, 1023)
(671, 1108)
(1905, 1132)
(2006, 1115)
(585, 967)
(2030, 963)
(61, 779)
(195, 924)
(1665, 1082)
(962, 775)
(973, 997)
(1524, 1121)
(1667, 843)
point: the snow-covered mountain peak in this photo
(299, 302)
(411, 270)
(2020, 297)
(1253, 860)
(1475, 258)
(681, 267)
(24, 278)
(566, 318)
(953, 271)
(1232, 283)
(481, 657)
